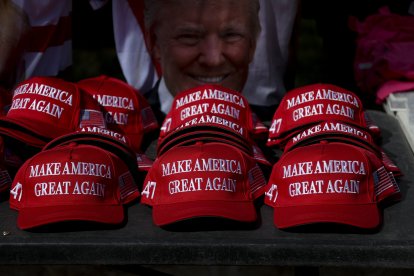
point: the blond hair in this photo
(153, 7)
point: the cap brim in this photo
(165, 214)
(38, 216)
(22, 133)
(193, 137)
(358, 215)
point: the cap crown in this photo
(62, 179)
(312, 104)
(126, 110)
(48, 107)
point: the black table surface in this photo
(139, 241)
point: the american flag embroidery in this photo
(256, 179)
(384, 183)
(127, 185)
(90, 117)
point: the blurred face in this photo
(204, 42)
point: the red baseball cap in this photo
(72, 182)
(203, 180)
(44, 108)
(311, 104)
(329, 183)
(213, 104)
(126, 110)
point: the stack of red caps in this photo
(203, 180)
(40, 110)
(126, 110)
(44, 108)
(330, 154)
(329, 182)
(305, 106)
(72, 182)
(212, 113)
(208, 164)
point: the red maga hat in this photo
(44, 108)
(203, 180)
(312, 104)
(213, 105)
(72, 182)
(126, 110)
(329, 182)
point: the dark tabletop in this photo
(138, 241)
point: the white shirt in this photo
(165, 96)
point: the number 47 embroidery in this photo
(149, 189)
(272, 193)
(16, 192)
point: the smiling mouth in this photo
(204, 79)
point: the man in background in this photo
(266, 82)
(257, 73)
(200, 42)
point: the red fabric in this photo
(393, 86)
(384, 49)
(39, 38)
